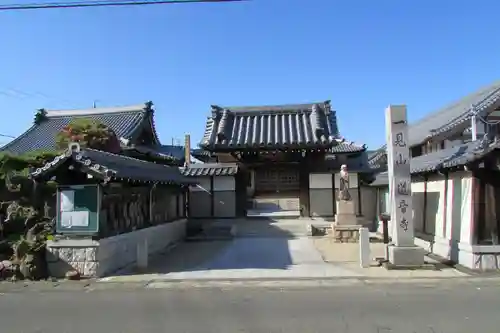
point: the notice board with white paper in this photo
(78, 209)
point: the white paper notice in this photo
(67, 200)
(75, 219)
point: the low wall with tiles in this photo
(98, 258)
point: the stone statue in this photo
(344, 184)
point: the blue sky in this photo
(362, 55)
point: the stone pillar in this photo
(403, 251)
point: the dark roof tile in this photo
(346, 147)
(117, 167)
(210, 169)
(124, 121)
(381, 179)
(445, 159)
(453, 115)
(454, 118)
(303, 125)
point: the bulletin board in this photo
(78, 208)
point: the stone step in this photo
(213, 232)
(278, 229)
(286, 203)
(273, 214)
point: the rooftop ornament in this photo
(40, 116)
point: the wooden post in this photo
(187, 149)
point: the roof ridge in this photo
(272, 107)
(209, 165)
(124, 156)
(93, 111)
(491, 88)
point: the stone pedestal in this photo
(346, 226)
(406, 256)
(346, 233)
(346, 213)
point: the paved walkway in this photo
(347, 257)
(242, 258)
(270, 258)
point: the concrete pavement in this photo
(241, 258)
(269, 258)
(428, 308)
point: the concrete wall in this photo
(97, 258)
(369, 203)
(215, 198)
(444, 221)
(321, 198)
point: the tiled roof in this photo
(166, 151)
(451, 157)
(357, 163)
(301, 126)
(381, 179)
(124, 121)
(455, 115)
(446, 158)
(453, 119)
(210, 169)
(111, 166)
(347, 147)
(378, 158)
(200, 152)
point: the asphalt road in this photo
(358, 308)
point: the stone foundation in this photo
(68, 255)
(346, 234)
(97, 258)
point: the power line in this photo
(102, 3)
(7, 136)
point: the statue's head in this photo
(343, 170)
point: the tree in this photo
(89, 134)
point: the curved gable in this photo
(127, 122)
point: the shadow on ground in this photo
(258, 244)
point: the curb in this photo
(361, 278)
(90, 285)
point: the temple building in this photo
(287, 158)
(455, 171)
(133, 125)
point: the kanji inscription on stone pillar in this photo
(398, 161)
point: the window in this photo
(416, 151)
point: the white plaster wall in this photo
(452, 143)
(466, 209)
(120, 251)
(224, 183)
(97, 258)
(320, 180)
(450, 221)
(203, 185)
